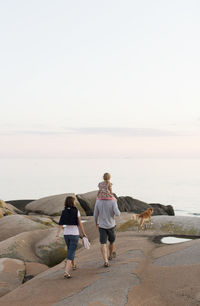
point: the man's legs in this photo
(111, 239)
(104, 252)
(111, 248)
(103, 241)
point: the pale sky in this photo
(102, 78)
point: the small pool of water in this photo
(172, 240)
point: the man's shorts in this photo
(107, 234)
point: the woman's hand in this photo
(58, 232)
(81, 227)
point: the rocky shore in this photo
(145, 272)
(85, 202)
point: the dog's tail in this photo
(135, 217)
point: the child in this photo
(105, 188)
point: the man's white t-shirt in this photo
(71, 229)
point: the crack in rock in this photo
(111, 289)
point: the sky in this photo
(100, 78)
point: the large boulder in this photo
(52, 205)
(160, 209)
(87, 201)
(49, 251)
(7, 209)
(22, 246)
(19, 204)
(35, 246)
(125, 204)
(43, 219)
(14, 209)
(12, 273)
(16, 224)
(128, 204)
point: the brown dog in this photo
(144, 217)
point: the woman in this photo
(71, 218)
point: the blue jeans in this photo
(72, 243)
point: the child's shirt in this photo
(104, 193)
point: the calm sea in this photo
(166, 181)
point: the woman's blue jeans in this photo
(72, 243)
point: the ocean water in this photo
(165, 181)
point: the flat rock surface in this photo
(189, 255)
(144, 273)
(134, 277)
(177, 224)
(174, 225)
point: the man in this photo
(105, 210)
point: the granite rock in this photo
(16, 224)
(12, 273)
(52, 205)
(87, 201)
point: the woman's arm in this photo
(58, 232)
(81, 226)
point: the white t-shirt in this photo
(71, 229)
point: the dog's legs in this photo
(151, 223)
(140, 224)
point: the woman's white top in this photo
(71, 229)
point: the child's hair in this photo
(106, 176)
(69, 202)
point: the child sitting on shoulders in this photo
(105, 188)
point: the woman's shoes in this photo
(106, 265)
(113, 256)
(74, 267)
(67, 275)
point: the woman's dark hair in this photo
(69, 202)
